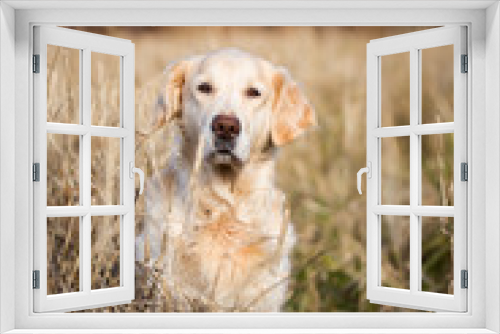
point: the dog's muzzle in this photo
(225, 130)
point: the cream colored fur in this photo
(227, 230)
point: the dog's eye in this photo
(205, 88)
(252, 92)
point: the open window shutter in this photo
(385, 218)
(69, 235)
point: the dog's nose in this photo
(226, 127)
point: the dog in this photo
(227, 230)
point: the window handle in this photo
(139, 171)
(368, 171)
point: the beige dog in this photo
(227, 230)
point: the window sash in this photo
(413, 43)
(85, 297)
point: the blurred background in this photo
(317, 172)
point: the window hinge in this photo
(36, 172)
(36, 279)
(465, 64)
(464, 279)
(36, 63)
(464, 171)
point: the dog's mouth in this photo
(224, 157)
(224, 152)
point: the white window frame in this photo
(484, 149)
(86, 44)
(413, 44)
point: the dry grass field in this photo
(317, 172)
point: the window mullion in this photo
(85, 235)
(414, 170)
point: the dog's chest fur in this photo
(232, 240)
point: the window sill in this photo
(251, 331)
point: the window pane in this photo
(63, 255)
(437, 169)
(105, 89)
(395, 89)
(63, 163)
(105, 171)
(105, 252)
(395, 266)
(63, 84)
(437, 84)
(437, 254)
(395, 168)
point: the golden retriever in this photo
(227, 230)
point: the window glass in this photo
(63, 170)
(63, 255)
(395, 89)
(437, 84)
(63, 84)
(437, 169)
(437, 254)
(105, 171)
(395, 170)
(106, 88)
(105, 238)
(395, 252)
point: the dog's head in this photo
(236, 104)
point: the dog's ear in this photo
(169, 100)
(291, 112)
